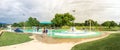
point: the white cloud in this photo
(86, 9)
(44, 10)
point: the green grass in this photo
(94, 28)
(9, 38)
(111, 42)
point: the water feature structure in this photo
(9, 28)
(74, 33)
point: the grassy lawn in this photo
(9, 38)
(111, 42)
(94, 28)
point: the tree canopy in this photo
(63, 19)
(109, 24)
(93, 23)
(30, 22)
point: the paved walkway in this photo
(36, 45)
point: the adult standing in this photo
(38, 28)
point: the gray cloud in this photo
(19, 10)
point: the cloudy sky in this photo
(44, 10)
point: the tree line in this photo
(29, 23)
(108, 24)
(62, 20)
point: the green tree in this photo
(109, 24)
(79, 24)
(32, 22)
(21, 24)
(62, 19)
(93, 23)
(15, 25)
(119, 24)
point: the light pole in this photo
(90, 24)
(23, 22)
(73, 20)
(24, 26)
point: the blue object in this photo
(46, 31)
(18, 30)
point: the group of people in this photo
(44, 30)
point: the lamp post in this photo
(73, 20)
(90, 24)
(24, 26)
(23, 22)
